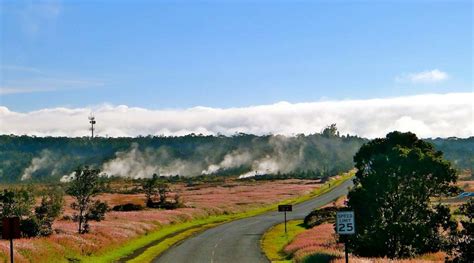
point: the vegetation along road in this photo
(239, 241)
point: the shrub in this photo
(98, 210)
(50, 208)
(127, 207)
(320, 216)
(30, 227)
(461, 245)
(154, 189)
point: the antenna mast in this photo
(92, 122)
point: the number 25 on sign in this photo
(345, 224)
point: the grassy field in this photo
(126, 233)
(189, 228)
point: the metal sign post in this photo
(345, 225)
(10, 231)
(285, 208)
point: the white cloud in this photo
(428, 115)
(430, 76)
(43, 84)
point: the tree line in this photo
(47, 159)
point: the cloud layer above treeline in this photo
(429, 115)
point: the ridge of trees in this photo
(327, 152)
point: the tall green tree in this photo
(397, 178)
(85, 185)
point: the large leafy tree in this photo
(397, 179)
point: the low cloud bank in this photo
(428, 115)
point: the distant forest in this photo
(49, 159)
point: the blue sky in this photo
(161, 55)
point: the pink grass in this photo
(120, 227)
(321, 240)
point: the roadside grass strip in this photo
(275, 239)
(159, 240)
(161, 247)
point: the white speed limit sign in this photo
(345, 224)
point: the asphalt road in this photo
(239, 241)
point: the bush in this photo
(30, 227)
(98, 210)
(165, 205)
(20, 202)
(127, 207)
(320, 216)
(461, 245)
(155, 189)
(178, 201)
(50, 208)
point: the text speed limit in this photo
(345, 223)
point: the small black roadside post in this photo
(10, 231)
(285, 208)
(345, 251)
(345, 225)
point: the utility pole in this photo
(92, 122)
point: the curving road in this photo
(239, 241)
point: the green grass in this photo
(275, 239)
(151, 252)
(172, 234)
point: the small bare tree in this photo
(156, 189)
(149, 187)
(163, 190)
